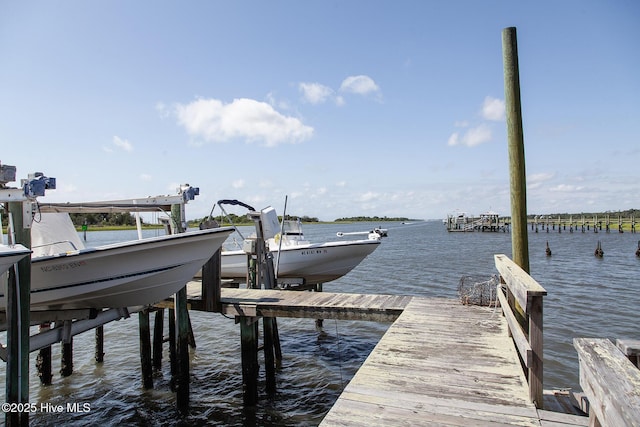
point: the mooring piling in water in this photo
(599, 252)
(145, 349)
(99, 353)
(158, 339)
(66, 362)
(43, 360)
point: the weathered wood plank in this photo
(313, 305)
(521, 284)
(552, 419)
(610, 382)
(439, 363)
(518, 335)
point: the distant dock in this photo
(492, 222)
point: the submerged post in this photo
(517, 175)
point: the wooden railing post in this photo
(524, 297)
(536, 374)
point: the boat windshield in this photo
(292, 228)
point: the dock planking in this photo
(302, 304)
(439, 363)
(442, 363)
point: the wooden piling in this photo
(145, 349)
(269, 356)
(43, 360)
(99, 353)
(158, 339)
(173, 364)
(182, 350)
(18, 301)
(66, 363)
(517, 173)
(249, 354)
(211, 274)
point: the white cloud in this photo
(477, 135)
(215, 121)
(369, 196)
(145, 177)
(493, 109)
(122, 144)
(564, 188)
(315, 93)
(238, 183)
(472, 137)
(540, 177)
(360, 85)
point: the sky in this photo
(347, 108)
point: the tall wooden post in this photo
(517, 173)
(18, 318)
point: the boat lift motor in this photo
(36, 183)
(32, 187)
(188, 192)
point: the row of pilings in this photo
(596, 225)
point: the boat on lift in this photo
(297, 260)
(124, 274)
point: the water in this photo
(587, 297)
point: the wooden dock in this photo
(442, 363)
(312, 305)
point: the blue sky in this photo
(350, 108)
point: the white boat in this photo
(298, 261)
(9, 255)
(138, 272)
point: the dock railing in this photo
(610, 381)
(520, 298)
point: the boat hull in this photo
(312, 263)
(124, 274)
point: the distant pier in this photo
(491, 222)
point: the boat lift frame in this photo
(68, 322)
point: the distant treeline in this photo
(125, 218)
(243, 219)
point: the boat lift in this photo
(70, 322)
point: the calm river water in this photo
(587, 297)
